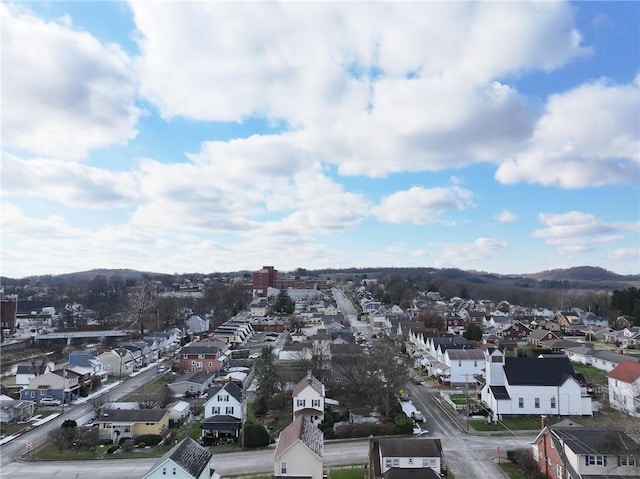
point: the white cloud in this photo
(344, 76)
(586, 137)
(575, 232)
(506, 216)
(68, 183)
(63, 92)
(422, 205)
(626, 255)
(482, 251)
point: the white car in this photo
(417, 431)
(50, 401)
(417, 416)
(254, 356)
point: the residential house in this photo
(196, 325)
(58, 384)
(299, 451)
(118, 423)
(13, 410)
(140, 351)
(624, 387)
(405, 458)
(567, 318)
(259, 307)
(234, 332)
(166, 340)
(186, 460)
(193, 384)
(516, 331)
(224, 412)
(515, 386)
(570, 451)
(308, 399)
(206, 356)
(464, 365)
(603, 359)
(119, 362)
(89, 367)
(26, 372)
(626, 338)
(538, 335)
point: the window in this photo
(520, 403)
(595, 460)
(396, 462)
(229, 410)
(223, 398)
(193, 363)
(387, 462)
(300, 402)
(200, 356)
(283, 467)
(174, 471)
(33, 394)
(210, 364)
(553, 403)
(42, 392)
(215, 410)
(627, 461)
(459, 363)
(127, 429)
(315, 403)
(536, 403)
(559, 470)
(475, 364)
(149, 423)
(164, 471)
(411, 461)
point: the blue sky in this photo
(222, 136)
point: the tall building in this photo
(264, 279)
(8, 313)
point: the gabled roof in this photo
(133, 415)
(203, 347)
(586, 440)
(410, 447)
(24, 369)
(232, 388)
(626, 371)
(465, 354)
(541, 333)
(189, 455)
(308, 380)
(301, 429)
(196, 377)
(547, 371)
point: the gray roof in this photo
(191, 456)
(465, 354)
(24, 369)
(410, 447)
(547, 371)
(612, 356)
(232, 388)
(584, 440)
(133, 415)
(202, 347)
(196, 377)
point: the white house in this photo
(119, 362)
(299, 451)
(624, 388)
(464, 364)
(308, 399)
(187, 460)
(224, 412)
(533, 386)
(196, 324)
(388, 456)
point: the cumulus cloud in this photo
(480, 251)
(71, 184)
(575, 232)
(63, 92)
(506, 216)
(587, 136)
(422, 205)
(343, 72)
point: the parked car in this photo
(404, 397)
(50, 401)
(416, 381)
(418, 431)
(417, 416)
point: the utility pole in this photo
(466, 395)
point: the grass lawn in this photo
(148, 389)
(591, 374)
(461, 399)
(510, 470)
(511, 424)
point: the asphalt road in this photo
(12, 450)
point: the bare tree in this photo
(100, 403)
(393, 372)
(141, 301)
(58, 438)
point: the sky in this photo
(184, 137)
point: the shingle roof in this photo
(465, 354)
(133, 415)
(202, 347)
(499, 392)
(191, 456)
(308, 380)
(538, 371)
(583, 440)
(626, 371)
(197, 377)
(232, 388)
(410, 447)
(301, 429)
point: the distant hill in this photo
(581, 273)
